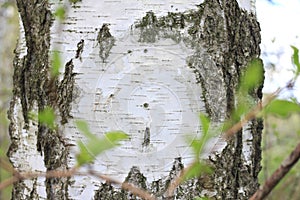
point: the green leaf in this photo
(56, 63)
(197, 144)
(96, 145)
(241, 109)
(250, 79)
(115, 136)
(60, 13)
(196, 170)
(2, 154)
(282, 108)
(295, 59)
(253, 76)
(84, 128)
(33, 116)
(47, 117)
(75, 1)
(205, 122)
(84, 156)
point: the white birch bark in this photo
(147, 68)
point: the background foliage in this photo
(8, 37)
(280, 137)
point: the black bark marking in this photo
(146, 141)
(80, 46)
(65, 91)
(106, 41)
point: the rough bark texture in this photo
(33, 91)
(222, 37)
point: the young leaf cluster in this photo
(295, 60)
(56, 63)
(199, 167)
(95, 145)
(46, 117)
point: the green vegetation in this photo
(95, 145)
(280, 137)
(8, 36)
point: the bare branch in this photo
(175, 183)
(8, 182)
(252, 114)
(18, 176)
(6, 166)
(233, 130)
(68, 173)
(284, 168)
(125, 185)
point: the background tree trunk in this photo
(214, 41)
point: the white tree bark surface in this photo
(139, 70)
(113, 88)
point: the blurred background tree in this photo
(280, 136)
(8, 36)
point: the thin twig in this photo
(284, 168)
(251, 115)
(8, 182)
(74, 171)
(239, 125)
(6, 166)
(125, 185)
(261, 193)
(177, 181)
(18, 176)
(233, 130)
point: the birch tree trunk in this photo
(147, 68)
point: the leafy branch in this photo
(283, 108)
(88, 152)
(95, 146)
(19, 176)
(274, 179)
(270, 105)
